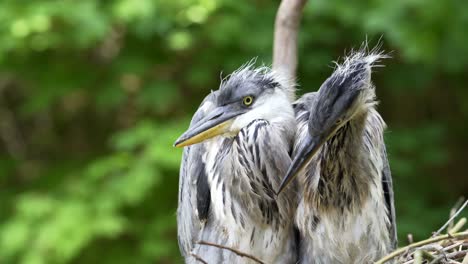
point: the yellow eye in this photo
(248, 100)
(338, 121)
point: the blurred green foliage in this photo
(93, 94)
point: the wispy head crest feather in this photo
(351, 80)
(249, 71)
(356, 59)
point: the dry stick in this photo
(399, 251)
(428, 255)
(408, 262)
(451, 219)
(447, 248)
(287, 24)
(424, 255)
(465, 260)
(418, 257)
(237, 252)
(433, 247)
(454, 210)
(453, 255)
(458, 226)
(198, 258)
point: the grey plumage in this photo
(346, 212)
(245, 132)
(230, 178)
(194, 195)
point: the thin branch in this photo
(398, 252)
(447, 248)
(198, 258)
(465, 259)
(286, 34)
(458, 226)
(418, 257)
(237, 252)
(454, 210)
(434, 247)
(454, 255)
(428, 255)
(451, 219)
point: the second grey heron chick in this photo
(246, 130)
(346, 211)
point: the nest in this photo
(451, 247)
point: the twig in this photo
(434, 247)
(465, 260)
(452, 246)
(428, 255)
(454, 210)
(458, 226)
(418, 257)
(453, 255)
(399, 251)
(285, 40)
(451, 219)
(198, 258)
(237, 252)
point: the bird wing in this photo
(194, 191)
(387, 185)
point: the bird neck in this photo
(343, 182)
(243, 177)
(343, 150)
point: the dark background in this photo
(94, 93)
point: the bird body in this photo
(241, 168)
(345, 212)
(342, 216)
(247, 217)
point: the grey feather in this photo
(194, 191)
(387, 184)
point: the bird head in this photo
(244, 96)
(347, 93)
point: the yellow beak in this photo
(204, 135)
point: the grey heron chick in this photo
(243, 133)
(346, 210)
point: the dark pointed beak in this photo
(215, 123)
(302, 158)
